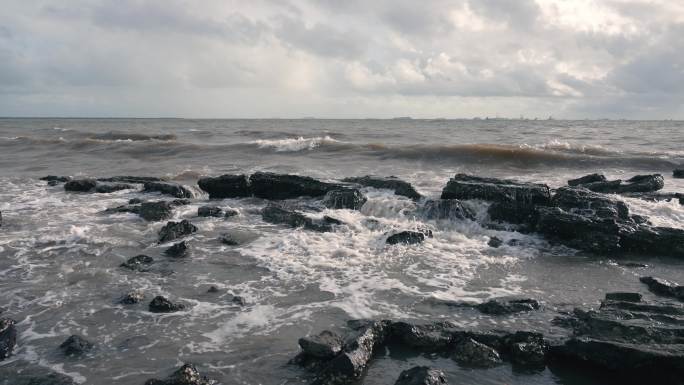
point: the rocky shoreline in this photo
(625, 336)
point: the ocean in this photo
(60, 255)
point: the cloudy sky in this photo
(346, 59)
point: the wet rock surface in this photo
(678, 173)
(395, 184)
(76, 345)
(209, 211)
(177, 250)
(161, 304)
(80, 185)
(421, 375)
(8, 337)
(105, 188)
(663, 287)
(226, 186)
(451, 209)
(185, 375)
(175, 230)
(471, 353)
(132, 297)
(408, 237)
(278, 215)
(155, 211)
(167, 188)
(327, 344)
(268, 185)
(138, 263)
(351, 199)
(638, 183)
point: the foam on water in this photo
(294, 144)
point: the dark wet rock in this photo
(175, 230)
(582, 232)
(76, 346)
(445, 209)
(209, 211)
(678, 173)
(168, 188)
(162, 305)
(0, 218)
(408, 237)
(212, 289)
(495, 242)
(399, 186)
(186, 375)
(657, 196)
(421, 375)
(325, 345)
(358, 350)
(105, 188)
(56, 178)
(663, 287)
(135, 201)
(526, 349)
(35, 376)
(52, 183)
(505, 307)
(226, 186)
(239, 300)
(8, 337)
(512, 201)
(471, 353)
(130, 208)
(636, 184)
(229, 239)
(635, 265)
(351, 199)
(591, 178)
(588, 203)
(426, 337)
(132, 297)
(155, 211)
(623, 296)
(138, 263)
(130, 179)
(178, 250)
(278, 215)
(230, 213)
(268, 185)
(80, 185)
(649, 240)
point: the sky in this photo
(343, 59)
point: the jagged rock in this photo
(445, 209)
(162, 305)
(324, 345)
(228, 239)
(238, 300)
(132, 297)
(175, 230)
(226, 186)
(408, 237)
(168, 188)
(80, 185)
(358, 350)
(623, 296)
(526, 349)
(501, 307)
(8, 337)
(653, 240)
(434, 336)
(76, 346)
(591, 178)
(351, 199)
(268, 185)
(278, 215)
(209, 211)
(105, 188)
(678, 173)
(588, 233)
(471, 353)
(178, 250)
(638, 183)
(186, 375)
(130, 179)
(399, 186)
(421, 375)
(155, 211)
(495, 242)
(230, 213)
(138, 263)
(582, 201)
(663, 287)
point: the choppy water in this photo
(59, 255)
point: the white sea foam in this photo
(294, 144)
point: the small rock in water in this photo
(209, 211)
(132, 297)
(228, 239)
(238, 300)
(178, 250)
(155, 211)
(168, 188)
(230, 213)
(495, 242)
(162, 305)
(474, 354)
(186, 375)
(76, 346)
(174, 230)
(56, 178)
(213, 289)
(678, 173)
(623, 296)
(138, 263)
(135, 201)
(591, 178)
(633, 264)
(80, 185)
(351, 199)
(500, 307)
(421, 375)
(408, 237)
(324, 345)
(8, 337)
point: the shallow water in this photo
(59, 255)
